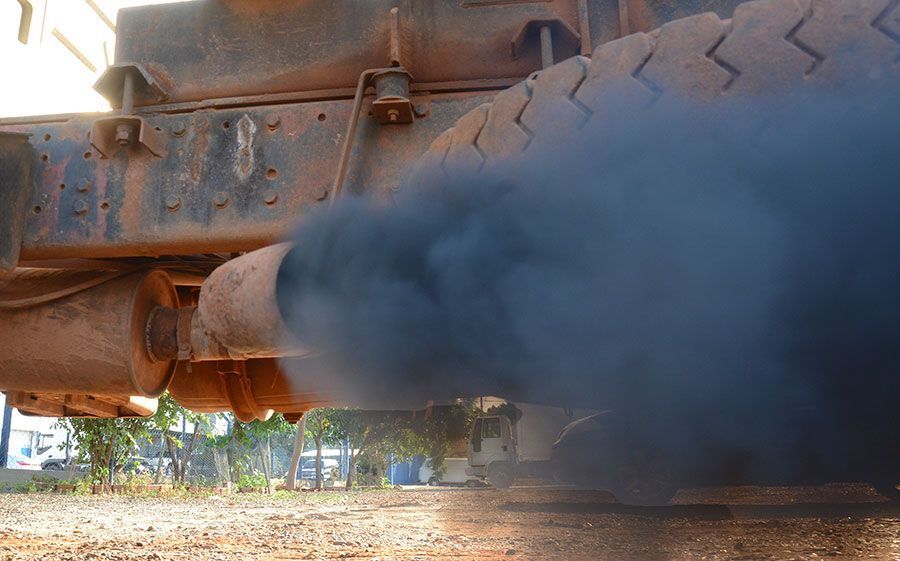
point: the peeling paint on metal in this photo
(243, 160)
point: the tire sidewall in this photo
(501, 475)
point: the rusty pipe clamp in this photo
(392, 105)
(122, 84)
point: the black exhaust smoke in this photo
(738, 265)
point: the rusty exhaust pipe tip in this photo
(238, 309)
(237, 316)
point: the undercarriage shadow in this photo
(886, 509)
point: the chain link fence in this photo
(252, 461)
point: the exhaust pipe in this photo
(236, 317)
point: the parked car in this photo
(62, 464)
(152, 465)
(330, 469)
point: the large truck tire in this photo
(889, 489)
(501, 475)
(766, 47)
(642, 476)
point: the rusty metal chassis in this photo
(256, 109)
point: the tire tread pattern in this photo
(766, 45)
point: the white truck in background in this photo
(506, 446)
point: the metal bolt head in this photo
(321, 194)
(173, 202)
(393, 115)
(80, 207)
(178, 129)
(421, 110)
(273, 122)
(220, 199)
(123, 135)
(270, 196)
(84, 185)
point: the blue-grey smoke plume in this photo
(733, 268)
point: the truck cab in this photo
(492, 451)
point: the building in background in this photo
(53, 51)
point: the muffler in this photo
(77, 332)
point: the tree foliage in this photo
(249, 444)
(106, 444)
(321, 428)
(180, 447)
(442, 428)
(378, 436)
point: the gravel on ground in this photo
(833, 522)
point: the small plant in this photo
(44, 479)
(27, 487)
(83, 486)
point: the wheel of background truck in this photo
(54, 466)
(642, 477)
(767, 46)
(888, 489)
(501, 475)
(432, 481)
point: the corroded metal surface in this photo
(81, 405)
(233, 179)
(238, 309)
(252, 392)
(89, 342)
(234, 47)
(236, 316)
(15, 182)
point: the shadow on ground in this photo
(886, 509)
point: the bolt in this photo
(393, 115)
(84, 185)
(321, 194)
(220, 199)
(80, 207)
(270, 196)
(421, 110)
(273, 122)
(123, 135)
(178, 129)
(173, 202)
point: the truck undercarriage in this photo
(140, 248)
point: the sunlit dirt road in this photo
(836, 522)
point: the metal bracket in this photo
(183, 333)
(237, 389)
(149, 87)
(107, 135)
(565, 35)
(125, 83)
(15, 192)
(392, 105)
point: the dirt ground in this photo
(835, 522)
